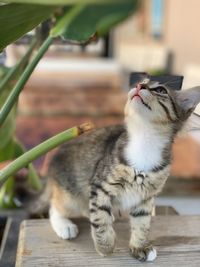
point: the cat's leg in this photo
(63, 227)
(63, 206)
(140, 218)
(101, 220)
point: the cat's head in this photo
(157, 103)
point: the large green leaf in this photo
(82, 22)
(18, 19)
(64, 2)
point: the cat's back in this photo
(79, 156)
(92, 142)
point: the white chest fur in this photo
(129, 199)
(145, 147)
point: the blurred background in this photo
(74, 84)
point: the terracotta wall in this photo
(182, 32)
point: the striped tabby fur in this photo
(123, 167)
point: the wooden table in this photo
(177, 239)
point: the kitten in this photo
(123, 166)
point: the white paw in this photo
(66, 230)
(152, 255)
(63, 227)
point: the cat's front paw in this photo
(104, 242)
(64, 228)
(147, 253)
(140, 177)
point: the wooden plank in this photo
(8, 249)
(165, 210)
(182, 187)
(177, 239)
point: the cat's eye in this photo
(144, 86)
(159, 90)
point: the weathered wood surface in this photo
(177, 239)
(11, 220)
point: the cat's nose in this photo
(138, 87)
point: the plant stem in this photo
(22, 81)
(33, 178)
(41, 149)
(13, 72)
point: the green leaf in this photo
(18, 19)
(7, 152)
(6, 134)
(64, 2)
(8, 129)
(18, 148)
(7, 195)
(82, 22)
(3, 71)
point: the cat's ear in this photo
(189, 99)
(172, 81)
(137, 77)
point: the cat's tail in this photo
(38, 203)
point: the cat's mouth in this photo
(142, 101)
(136, 95)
